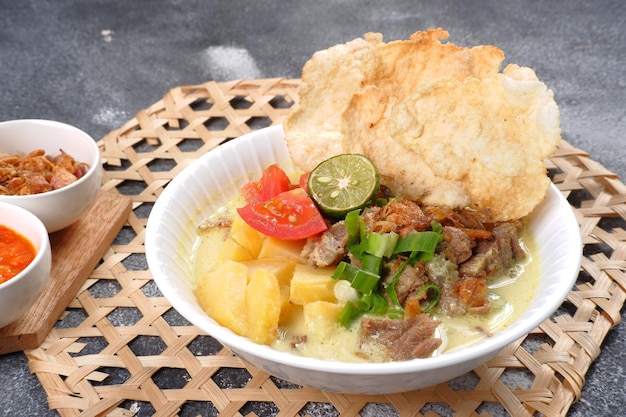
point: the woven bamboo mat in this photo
(121, 350)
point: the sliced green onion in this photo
(380, 305)
(436, 226)
(345, 271)
(357, 234)
(349, 313)
(352, 226)
(373, 303)
(382, 244)
(360, 279)
(432, 303)
(391, 287)
(365, 281)
(366, 302)
(418, 242)
(396, 313)
(371, 263)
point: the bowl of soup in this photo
(208, 188)
(25, 261)
(49, 168)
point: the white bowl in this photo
(19, 293)
(59, 208)
(214, 179)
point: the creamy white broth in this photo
(343, 345)
(510, 294)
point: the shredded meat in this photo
(327, 248)
(298, 341)
(223, 222)
(403, 339)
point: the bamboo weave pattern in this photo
(150, 361)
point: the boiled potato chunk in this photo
(233, 251)
(283, 271)
(247, 237)
(287, 309)
(281, 268)
(277, 248)
(291, 318)
(320, 318)
(312, 284)
(222, 295)
(263, 306)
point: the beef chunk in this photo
(403, 339)
(456, 245)
(486, 259)
(412, 278)
(445, 274)
(328, 248)
(496, 254)
(507, 235)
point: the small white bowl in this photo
(19, 293)
(59, 208)
(214, 179)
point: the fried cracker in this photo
(440, 121)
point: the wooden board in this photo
(76, 250)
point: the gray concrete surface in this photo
(95, 63)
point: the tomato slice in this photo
(290, 215)
(273, 182)
(303, 181)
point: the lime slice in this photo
(343, 183)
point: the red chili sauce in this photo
(16, 252)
